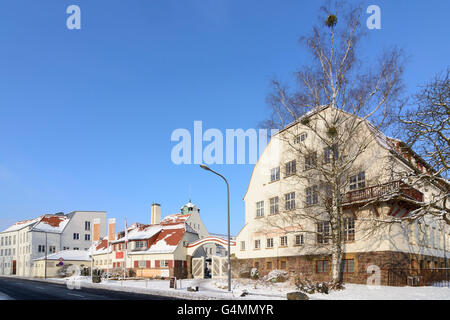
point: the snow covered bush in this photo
(276, 276)
(306, 286)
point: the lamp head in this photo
(205, 167)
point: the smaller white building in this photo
(27, 240)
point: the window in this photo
(242, 246)
(349, 229)
(291, 168)
(274, 205)
(275, 174)
(312, 195)
(323, 232)
(348, 266)
(300, 138)
(358, 181)
(51, 249)
(257, 244)
(283, 241)
(328, 152)
(41, 248)
(299, 239)
(66, 248)
(270, 243)
(322, 266)
(76, 236)
(260, 209)
(141, 264)
(87, 225)
(140, 244)
(269, 265)
(164, 263)
(311, 161)
(87, 237)
(283, 264)
(290, 201)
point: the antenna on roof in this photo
(190, 193)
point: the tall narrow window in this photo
(257, 244)
(87, 225)
(274, 205)
(323, 232)
(275, 174)
(269, 242)
(283, 241)
(311, 160)
(290, 201)
(291, 168)
(299, 239)
(329, 152)
(349, 229)
(312, 195)
(260, 209)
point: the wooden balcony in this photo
(396, 189)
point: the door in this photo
(14, 267)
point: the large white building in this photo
(283, 231)
(27, 240)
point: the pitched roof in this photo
(22, 224)
(175, 218)
(52, 223)
(70, 255)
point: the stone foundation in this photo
(394, 266)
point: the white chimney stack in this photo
(156, 213)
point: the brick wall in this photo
(305, 266)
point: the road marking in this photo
(76, 295)
(40, 288)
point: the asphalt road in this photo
(19, 289)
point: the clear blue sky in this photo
(86, 115)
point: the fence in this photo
(438, 277)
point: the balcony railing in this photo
(398, 188)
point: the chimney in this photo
(96, 235)
(112, 229)
(156, 213)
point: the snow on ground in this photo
(260, 290)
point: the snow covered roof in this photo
(144, 232)
(167, 240)
(100, 247)
(22, 224)
(52, 223)
(70, 255)
(175, 218)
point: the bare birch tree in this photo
(361, 98)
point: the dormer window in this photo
(300, 138)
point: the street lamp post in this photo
(228, 211)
